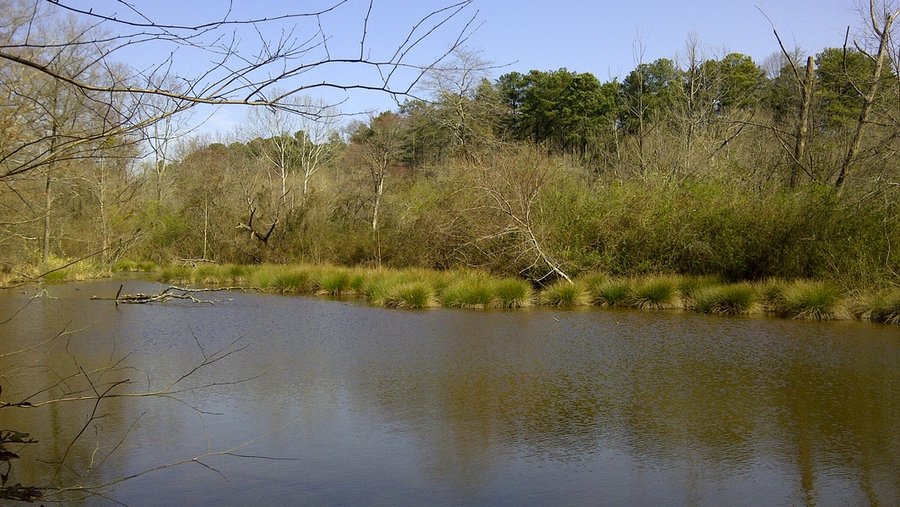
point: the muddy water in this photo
(326, 402)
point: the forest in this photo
(697, 164)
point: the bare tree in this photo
(236, 73)
(881, 28)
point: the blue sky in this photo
(582, 35)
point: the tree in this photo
(565, 109)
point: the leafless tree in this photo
(235, 73)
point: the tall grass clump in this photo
(176, 274)
(564, 294)
(612, 292)
(885, 308)
(295, 281)
(470, 292)
(689, 285)
(734, 299)
(335, 282)
(654, 292)
(410, 295)
(806, 300)
(513, 293)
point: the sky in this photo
(600, 37)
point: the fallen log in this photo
(167, 294)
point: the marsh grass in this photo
(613, 292)
(513, 293)
(689, 285)
(334, 282)
(410, 295)
(127, 265)
(733, 299)
(470, 292)
(176, 274)
(883, 308)
(805, 300)
(653, 292)
(565, 294)
(462, 288)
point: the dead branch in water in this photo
(167, 294)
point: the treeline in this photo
(689, 165)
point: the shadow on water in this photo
(441, 406)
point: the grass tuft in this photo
(809, 301)
(564, 294)
(655, 292)
(612, 293)
(735, 299)
(470, 292)
(885, 308)
(513, 293)
(410, 295)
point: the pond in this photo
(335, 402)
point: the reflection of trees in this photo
(716, 409)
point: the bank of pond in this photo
(425, 288)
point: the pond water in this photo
(328, 402)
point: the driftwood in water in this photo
(169, 293)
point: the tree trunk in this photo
(806, 93)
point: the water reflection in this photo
(501, 407)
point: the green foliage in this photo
(566, 109)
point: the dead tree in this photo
(230, 67)
(254, 233)
(882, 31)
